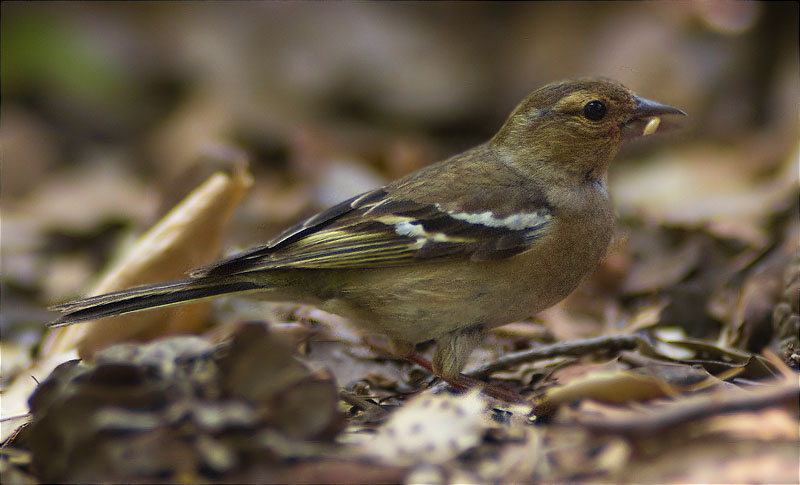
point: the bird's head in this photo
(577, 124)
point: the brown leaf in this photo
(189, 236)
(429, 429)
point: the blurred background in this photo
(112, 112)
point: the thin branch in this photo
(575, 348)
(678, 414)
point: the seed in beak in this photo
(651, 126)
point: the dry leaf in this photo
(430, 429)
(623, 386)
(708, 186)
(188, 236)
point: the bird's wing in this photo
(377, 230)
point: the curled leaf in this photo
(188, 236)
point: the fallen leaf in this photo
(430, 429)
(188, 236)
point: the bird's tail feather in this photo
(147, 297)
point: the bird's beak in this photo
(646, 108)
(646, 118)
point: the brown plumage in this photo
(484, 238)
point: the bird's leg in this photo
(459, 382)
(449, 358)
(409, 352)
(453, 351)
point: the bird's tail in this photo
(147, 297)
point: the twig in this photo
(671, 416)
(576, 348)
(359, 402)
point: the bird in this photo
(484, 238)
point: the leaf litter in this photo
(676, 361)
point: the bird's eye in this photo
(594, 110)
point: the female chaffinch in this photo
(486, 237)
